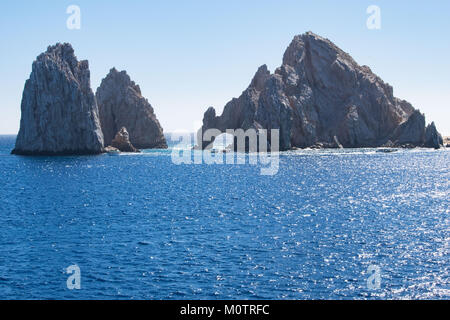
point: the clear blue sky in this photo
(187, 55)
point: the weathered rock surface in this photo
(59, 111)
(122, 141)
(433, 138)
(122, 105)
(321, 97)
(410, 132)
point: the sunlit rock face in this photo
(59, 111)
(321, 97)
(121, 104)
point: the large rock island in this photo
(59, 111)
(321, 97)
(121, 104)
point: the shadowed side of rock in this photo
(433, 138)
(59, 111)
(121, 104)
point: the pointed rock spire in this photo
(121, 104)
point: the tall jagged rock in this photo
(321, 96)
(59, 111)
(433, 138)
(121, 104)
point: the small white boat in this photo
(219, 150)
(113, 153)
(387, 150)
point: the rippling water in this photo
(141, 227)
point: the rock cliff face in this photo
(321, 97)
(59, 111)
(122, 105)
(122, 141)
(433, 138)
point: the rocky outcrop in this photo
(447, 142)
(410, 132)
(433, 138)
(320, 97)
(121, 104)
(122, 141)
(59, 111)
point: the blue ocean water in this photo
(141, 227)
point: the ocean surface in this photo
(141, 227)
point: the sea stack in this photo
(121, 104)
(320, 97)
(59, 111)
(122, 142)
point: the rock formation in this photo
(447, 142)
(321, 97)
(59, 111)
(122, 141)
(433, 139)
(122, 105)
